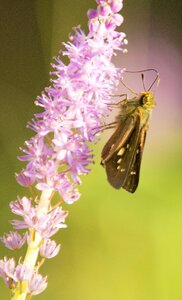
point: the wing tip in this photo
(118, 185)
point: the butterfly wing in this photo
(132, 178)
(118, 139)
(123, 161)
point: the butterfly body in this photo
(122, 154)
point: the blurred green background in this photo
(117, 245)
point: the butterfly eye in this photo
(143, 100)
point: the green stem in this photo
(21, 290)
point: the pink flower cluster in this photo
(72, 111)
(12, 275)
(46, 225)
(74, 105)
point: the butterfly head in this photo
(147, 100)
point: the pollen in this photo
(118, 167)
(137, 151)
(127, 146)
(119, 160)
(121, 151)
(122, 170)
(133, 173)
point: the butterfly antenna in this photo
(147, 70)
(142, 75)
(156, 79)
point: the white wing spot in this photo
(118, 167)
(133, 173)
(121, 151)
(119, 160)
(122, 170)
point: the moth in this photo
(122, 154)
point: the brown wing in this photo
(123, 161)
(132, 179)
(118, 138)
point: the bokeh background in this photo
(117, 245)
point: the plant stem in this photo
(21, 290)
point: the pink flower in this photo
(22, 273)
(49, 249)
(7, 268)
(37, 284)
(21, 206)
(13, 240)
(24, 178)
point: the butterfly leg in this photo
(118, 104)
(105, 127)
